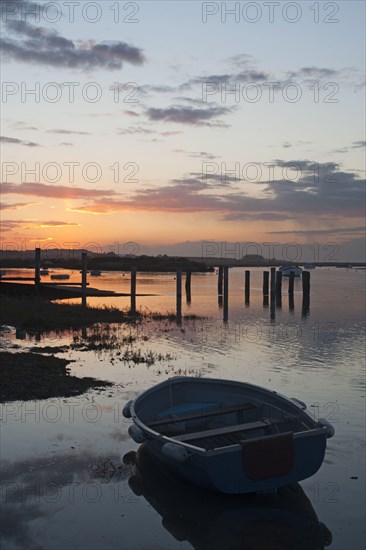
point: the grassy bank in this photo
(37, 313)
(30, 376)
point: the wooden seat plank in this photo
(221, 431)
(264, 423)
(194, 416)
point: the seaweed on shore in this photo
(31, 376)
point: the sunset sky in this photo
(172, 124)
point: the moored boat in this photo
(95, 272)
(287, 269)
(60, 276)
(228, 436)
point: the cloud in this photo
(10, 225)
(197, 154)
(53, 191)
(347, 75)
(175, 133)
(263, 216)
(131, 113)
(355, 145)
(158, 88)
(134, 130)
(241, 60)
(35, 44)
(335, 195)
(16, 205)
(250, 73)
(15, 141)
(331, 231)
(314, 72)
(54, 223)
(188, 115)
(20, 125)
(68, 132)
(252, 76)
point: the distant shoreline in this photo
(153, 264)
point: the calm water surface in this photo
(69, 478)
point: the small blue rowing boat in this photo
(228, 436)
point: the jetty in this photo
(272, 287)
(33, 286)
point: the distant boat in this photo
(95, 272)
(287, 269)
(60, 276)
(228, 436)
(44, 272)
(309, 266)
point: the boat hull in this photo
(224, 472)
(286, 270)
(254, 464)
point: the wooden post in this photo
(291, 281)
(278, 283)
(226, 293)
(188, 286)
(133, 291)
(265, 283)
(37, 268)
(179, 295)
(247, 287)
(273, 280)
(84, 269)
(305, 293)
(291, 302)
(219, 281)
(306, 282)
(279, 289)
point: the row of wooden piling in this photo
(272, 286)
(272, 282)
(272, 289)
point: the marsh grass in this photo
(40, 314)
(120, 345)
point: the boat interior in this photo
(211, 425)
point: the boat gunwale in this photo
(311, 431)
(237, 446)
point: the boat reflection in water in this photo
(209, 520)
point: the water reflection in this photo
(37, 489)
(210, 520)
